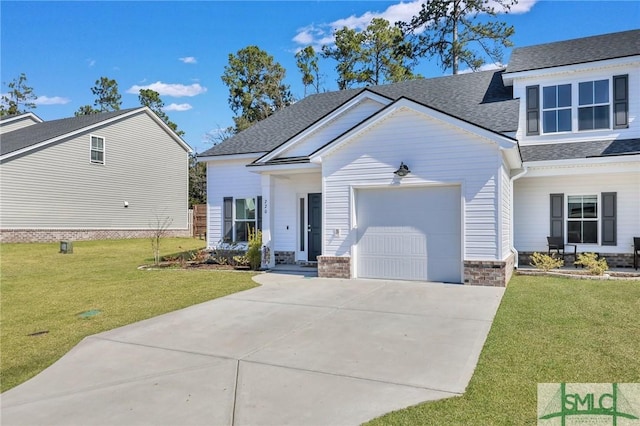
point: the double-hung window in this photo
(582, 106)
(556, 108)
(241, 218)
(582, 219)
(593, 105)
(245, 218)
(97, 150)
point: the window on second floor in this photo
(97, 150)
(585, 106)
(593, 101)
(556, 108)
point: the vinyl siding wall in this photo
(436, 153)
(531, 215)
(230, 178)
(58, 187)
(333, 128)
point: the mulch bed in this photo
(583, 275)
(192, 265)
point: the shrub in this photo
(254, 252)
(545, 262)
(592, 263)
(240, 260)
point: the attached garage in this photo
(410, 233)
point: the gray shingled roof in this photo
(479, 98)
(578, 51)
(267, 134)
(567, 151)
(41, 132)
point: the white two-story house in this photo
(579, 135)
(453, 179)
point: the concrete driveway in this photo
(298, 351)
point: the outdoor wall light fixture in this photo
(402, 171)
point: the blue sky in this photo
(180, 49)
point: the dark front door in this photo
(314, 228)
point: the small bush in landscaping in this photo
(254, 253)
(241, 260)
(592, 263)
(545, 262)
(198, 255)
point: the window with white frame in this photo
(245, 218)
(97, 150)
(556, 108)
(582, 219)
(593, 105)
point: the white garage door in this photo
(409, 233)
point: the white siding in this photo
(531, 215)
(555, 78)
(287, 191)
(229, 178)
(333, 128)
(58, 187)
(436, 153)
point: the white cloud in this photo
(523, 6)
(174, 90)
(318, 35)
(485, 67)
(54, 100)
(177, 107)
(91, 62)
(189, 60)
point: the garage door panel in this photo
(409, 233)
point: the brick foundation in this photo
(493, 273)
(285, 257)
(334, 267)
(614, 260)
(55, 235)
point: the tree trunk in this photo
(454, 45)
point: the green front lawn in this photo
(547, 330)
(42, 290)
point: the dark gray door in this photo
(314, 228)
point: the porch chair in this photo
(557, 244)
(636, 251)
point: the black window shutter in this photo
(227, 216)
(557, 216)
(533, 110)
(609, 237)
(620, 101)
(259, 212)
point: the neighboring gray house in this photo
(107, 175)
(496, 162)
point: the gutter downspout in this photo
(513, 179)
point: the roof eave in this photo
(508, 77)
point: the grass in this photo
(547, 330)
(42, 290)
